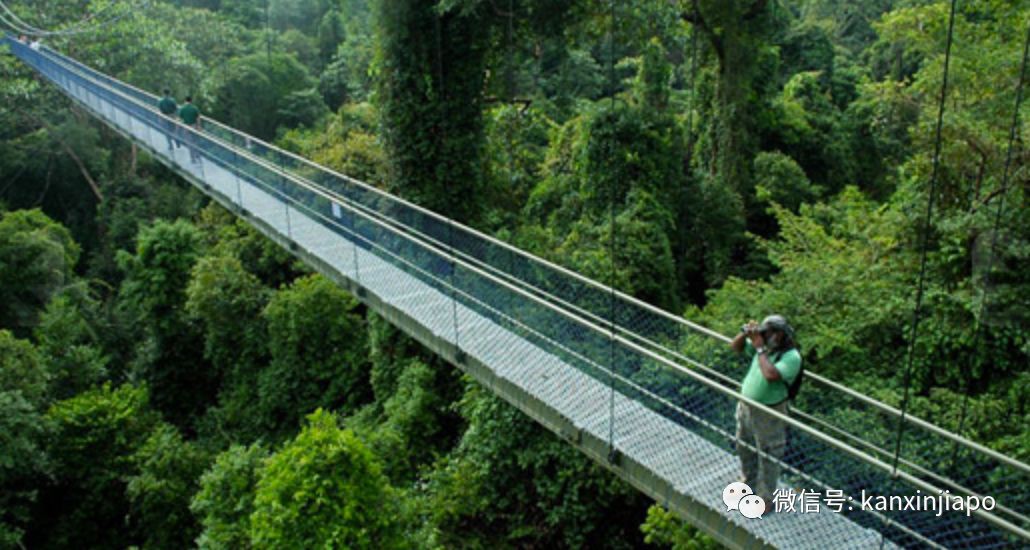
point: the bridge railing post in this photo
(286, 207)
(354, 246)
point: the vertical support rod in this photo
(441, 82)
(612, 456)
(354, 245)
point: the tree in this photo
(317, 344)
(430, 98)
(349, 72)
(225, 501)
(68, 341)
(810, 126)
(303, 15)
(347, 144)
(324, 489)
(738, 32)
(23, 462)
(779, 180)
(182, 385)
(228, 235)
(95, 436)
(254, 88)
(302, 108)
(227, 302)
(37, 258)
(22, 370)
(301, 46)
(412, 426)
(664, 529)
(966, 322)
(628, 159)
(168, 470)
(329, 36)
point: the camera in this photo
(750, 330)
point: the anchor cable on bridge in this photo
(141, 109)
(925, 244)
(925, 239)
(442, 96)
(981, 319)
(21, 27)
(611, 244)
(693, 91)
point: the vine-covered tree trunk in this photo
(430, 89)
(736, 31)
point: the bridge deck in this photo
(528, 367)
(641, 435)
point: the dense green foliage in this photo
(96, 436)
(225, 500)
(38, 257)
(169, 377)
(324, 489)
(260, 93)
(316, 345)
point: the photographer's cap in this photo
(777, 322)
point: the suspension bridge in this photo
(645, 393)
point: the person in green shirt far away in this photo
(168, 108)
(190, 116)
(775, 366)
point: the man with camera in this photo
(770, 380)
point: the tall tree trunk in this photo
(430, 99)
(736, 30)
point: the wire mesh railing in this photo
(680, 371)
(970, 469)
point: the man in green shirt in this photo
(762, 437)
(168, 108)
(190, 116)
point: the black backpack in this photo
(795, 384)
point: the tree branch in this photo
(75, 158)
(987, 199)
(695, 18)
(82, 169)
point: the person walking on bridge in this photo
(770, 380)
(190, 116)
(168, 108)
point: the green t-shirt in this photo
(189, 113)
(758, 388)
(167, 105)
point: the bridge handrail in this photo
(600, 329)
(810, 375)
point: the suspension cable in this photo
(20, 24)
(22, 27)
(981, 319)
(442, 100)
(922, 258)
(693, 90)
(509, 91)
(907, 382)
(611, 243)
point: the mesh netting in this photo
(659, 389)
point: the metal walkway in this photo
(649, 396)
